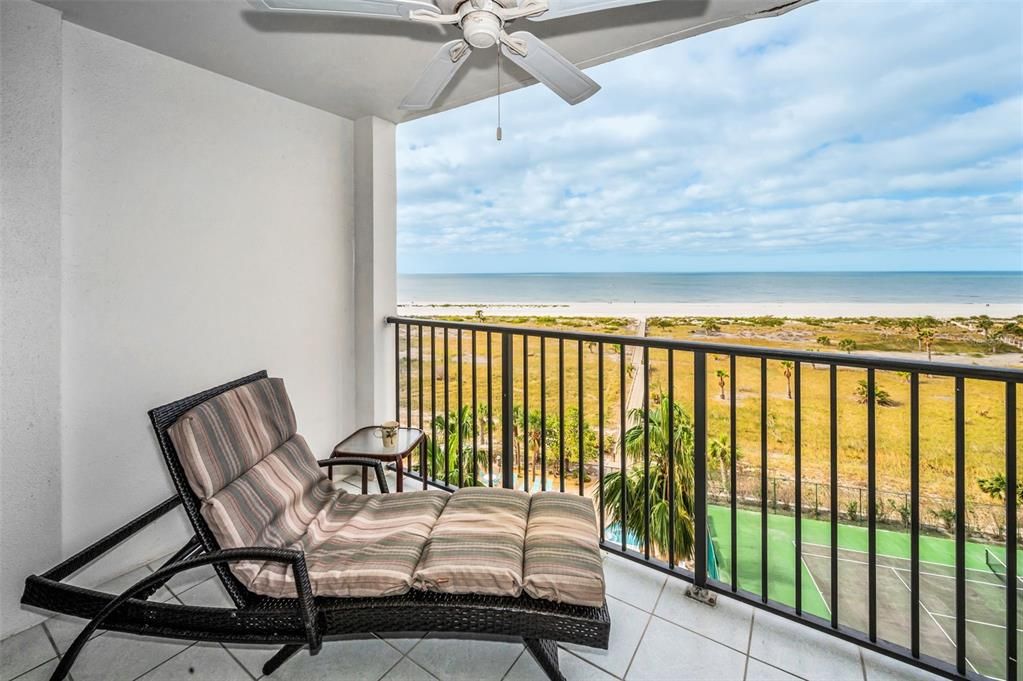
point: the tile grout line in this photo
(388, 670)
(650, 616)
(587, 662)
(239, 662)
(863, 665)
(749, 643)
(519, 657)
(692, 631)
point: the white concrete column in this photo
(376, 269)
(30, 300)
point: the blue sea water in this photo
(723, 287)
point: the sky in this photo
(840, 136)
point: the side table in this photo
(363, 443)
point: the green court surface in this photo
(985, 590)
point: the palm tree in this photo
(456, 429)
(847, 344)
(925, 337)
(722, 376)
(719, 452)
(632, 480)
(787, 368)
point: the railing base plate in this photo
(704, 596)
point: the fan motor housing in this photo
(480, 28)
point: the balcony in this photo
(188, 194)
(770, 622)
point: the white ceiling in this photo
(356, 67)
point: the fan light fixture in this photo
(482, 23)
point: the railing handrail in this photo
(1004, 374)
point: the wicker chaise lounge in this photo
(291, 596)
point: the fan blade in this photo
(385, 9)
(566, 8)
(439, 72)
(550, 68)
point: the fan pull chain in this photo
(498, 93)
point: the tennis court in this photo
(985, 585)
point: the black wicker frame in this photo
(295, 623)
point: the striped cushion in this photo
(261, 486)
(562, 552)
(476, 545)
(360, 546)
(225, 436)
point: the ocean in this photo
(716, 287)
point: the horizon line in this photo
(458, 274)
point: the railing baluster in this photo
(600, 433)
(1011, 623)
(871, 505)
(763, 479)
(797, 425)
(475, 417)
(408, 375)
(582, 422)
(507, 407)
(833, 406)
(960, 524)
(914, 530)
(561, 413)
(422, 445)
(490, 411)
(458, 412)
(543, 418)
(700, 468)
(525, 412)
(624, 514)
(733, 472)
(646, 452)
(397, 372)
(433, 403)
(447, 410)
(671, 459)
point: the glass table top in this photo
(367, 441)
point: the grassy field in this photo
(985, 413)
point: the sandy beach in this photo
(721, 310)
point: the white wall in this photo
(30, 233)
(376, 252)
(204, 231)
(207, 234)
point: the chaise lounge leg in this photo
(545, 652)
(280, 657)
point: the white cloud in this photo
(839, 126)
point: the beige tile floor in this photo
(657, 634)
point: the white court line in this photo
(986, 624)
(997, 585)
(938, 624)
(815, 585)
(888, 555)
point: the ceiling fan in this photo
(483, 24)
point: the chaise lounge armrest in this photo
(356, 461)
(303, 588)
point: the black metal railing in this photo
(645, 459)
